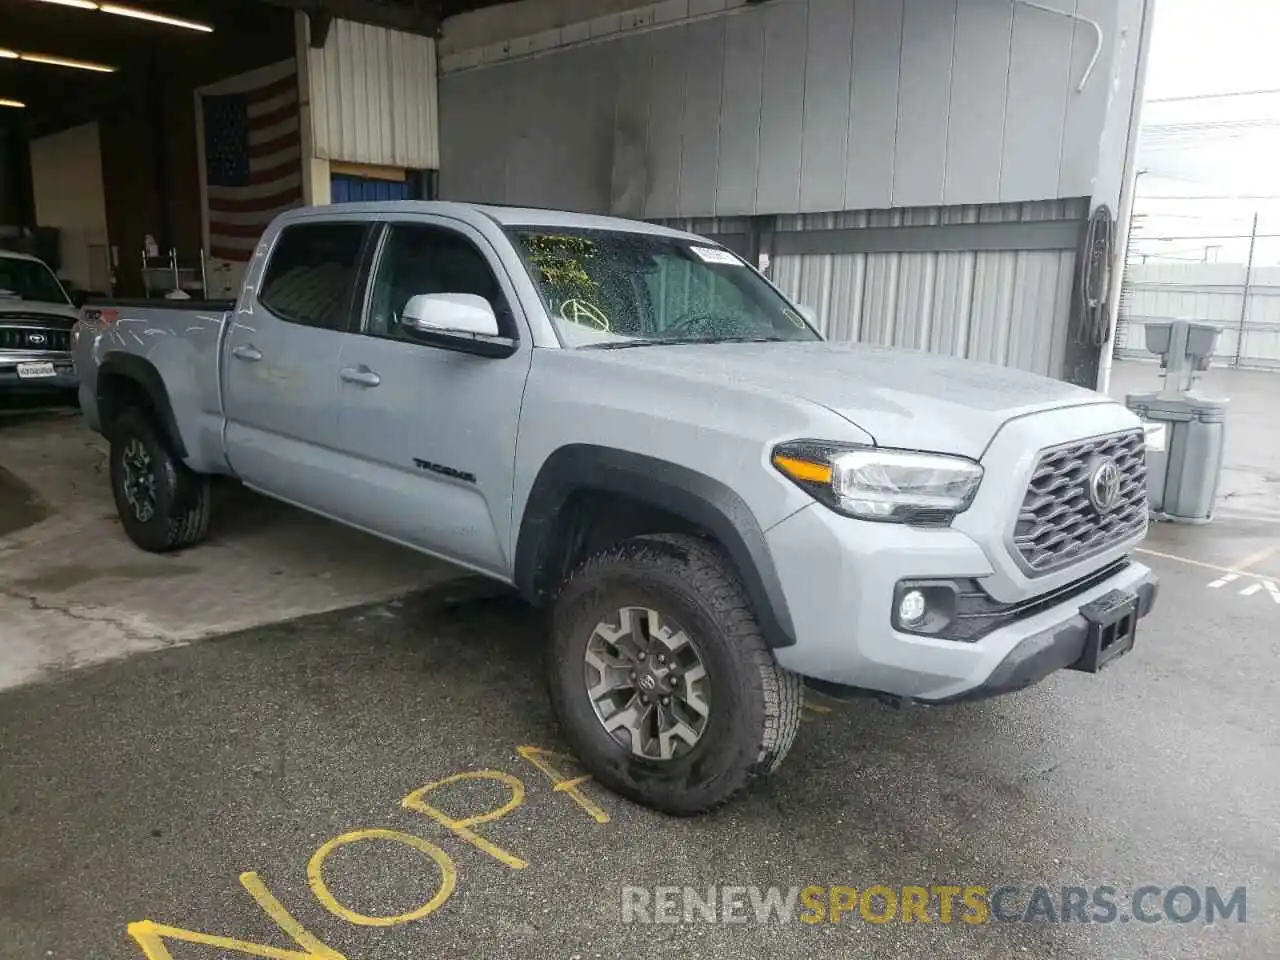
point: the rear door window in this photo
(311, 278)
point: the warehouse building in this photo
(943, 174)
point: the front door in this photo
(281, 365)
(431, 432)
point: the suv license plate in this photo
(1113, 624)
(31, 371)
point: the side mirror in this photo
(79, 298)
(455, 321)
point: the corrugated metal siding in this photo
(793, 105)
(709, 226)
(1205, 291)
(1006, 307)
(373, 97)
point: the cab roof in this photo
(505, 216)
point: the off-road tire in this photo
(182, 497)
(754, 704)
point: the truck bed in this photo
(180, 341)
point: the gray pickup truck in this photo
(633, 426)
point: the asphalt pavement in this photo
(261, 794)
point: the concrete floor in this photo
(142, 789)
(74, 591)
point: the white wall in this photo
(709, 108)
(66, 172)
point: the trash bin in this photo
(1183, 468)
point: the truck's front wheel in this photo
(660, 676)
(162, 504)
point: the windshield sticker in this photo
(714, 255)
(584, 314)
(794, 318)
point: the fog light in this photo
(911, 608)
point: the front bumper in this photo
(839, 577)
(1040, 654)
(64, 377)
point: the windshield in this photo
(607, 288)
(29, 280)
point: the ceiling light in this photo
(8, 55)
(120, 10)
(17, 104)
(65, 62)
(153, 17)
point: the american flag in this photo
(252, 156)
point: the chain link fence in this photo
(1221, 266)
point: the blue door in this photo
(348, 189)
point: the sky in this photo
(1213, 46)
(1198, 144)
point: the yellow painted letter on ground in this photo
(572, 787)
(151, 935)
(315, 877)
(843, 900)
(462, 828)
(813, 900)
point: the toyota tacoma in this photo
(632, 426)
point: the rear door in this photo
(281, 366)
(431, 432)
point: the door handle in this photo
(361, 375)
(247, 352)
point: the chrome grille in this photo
(1058, 524)
(34, 338)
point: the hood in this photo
(57, 315)
(903, 398)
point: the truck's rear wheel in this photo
(661, 679)
(162, 504)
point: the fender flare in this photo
(143, 372)
(699, 499)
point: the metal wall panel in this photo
(699, 129)
(475, 154)
(782, 107)
(740, 117)
(373, 97)
(1005, 307)
(924, 94)
(1038, 90)
(666, 111)
(825, 138)
(1080, 135)
(976, 130)
(792, 105)
(873, 104)
(629, 149)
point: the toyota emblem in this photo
(36, 339)
(1104, 485)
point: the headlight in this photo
(872, 483)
